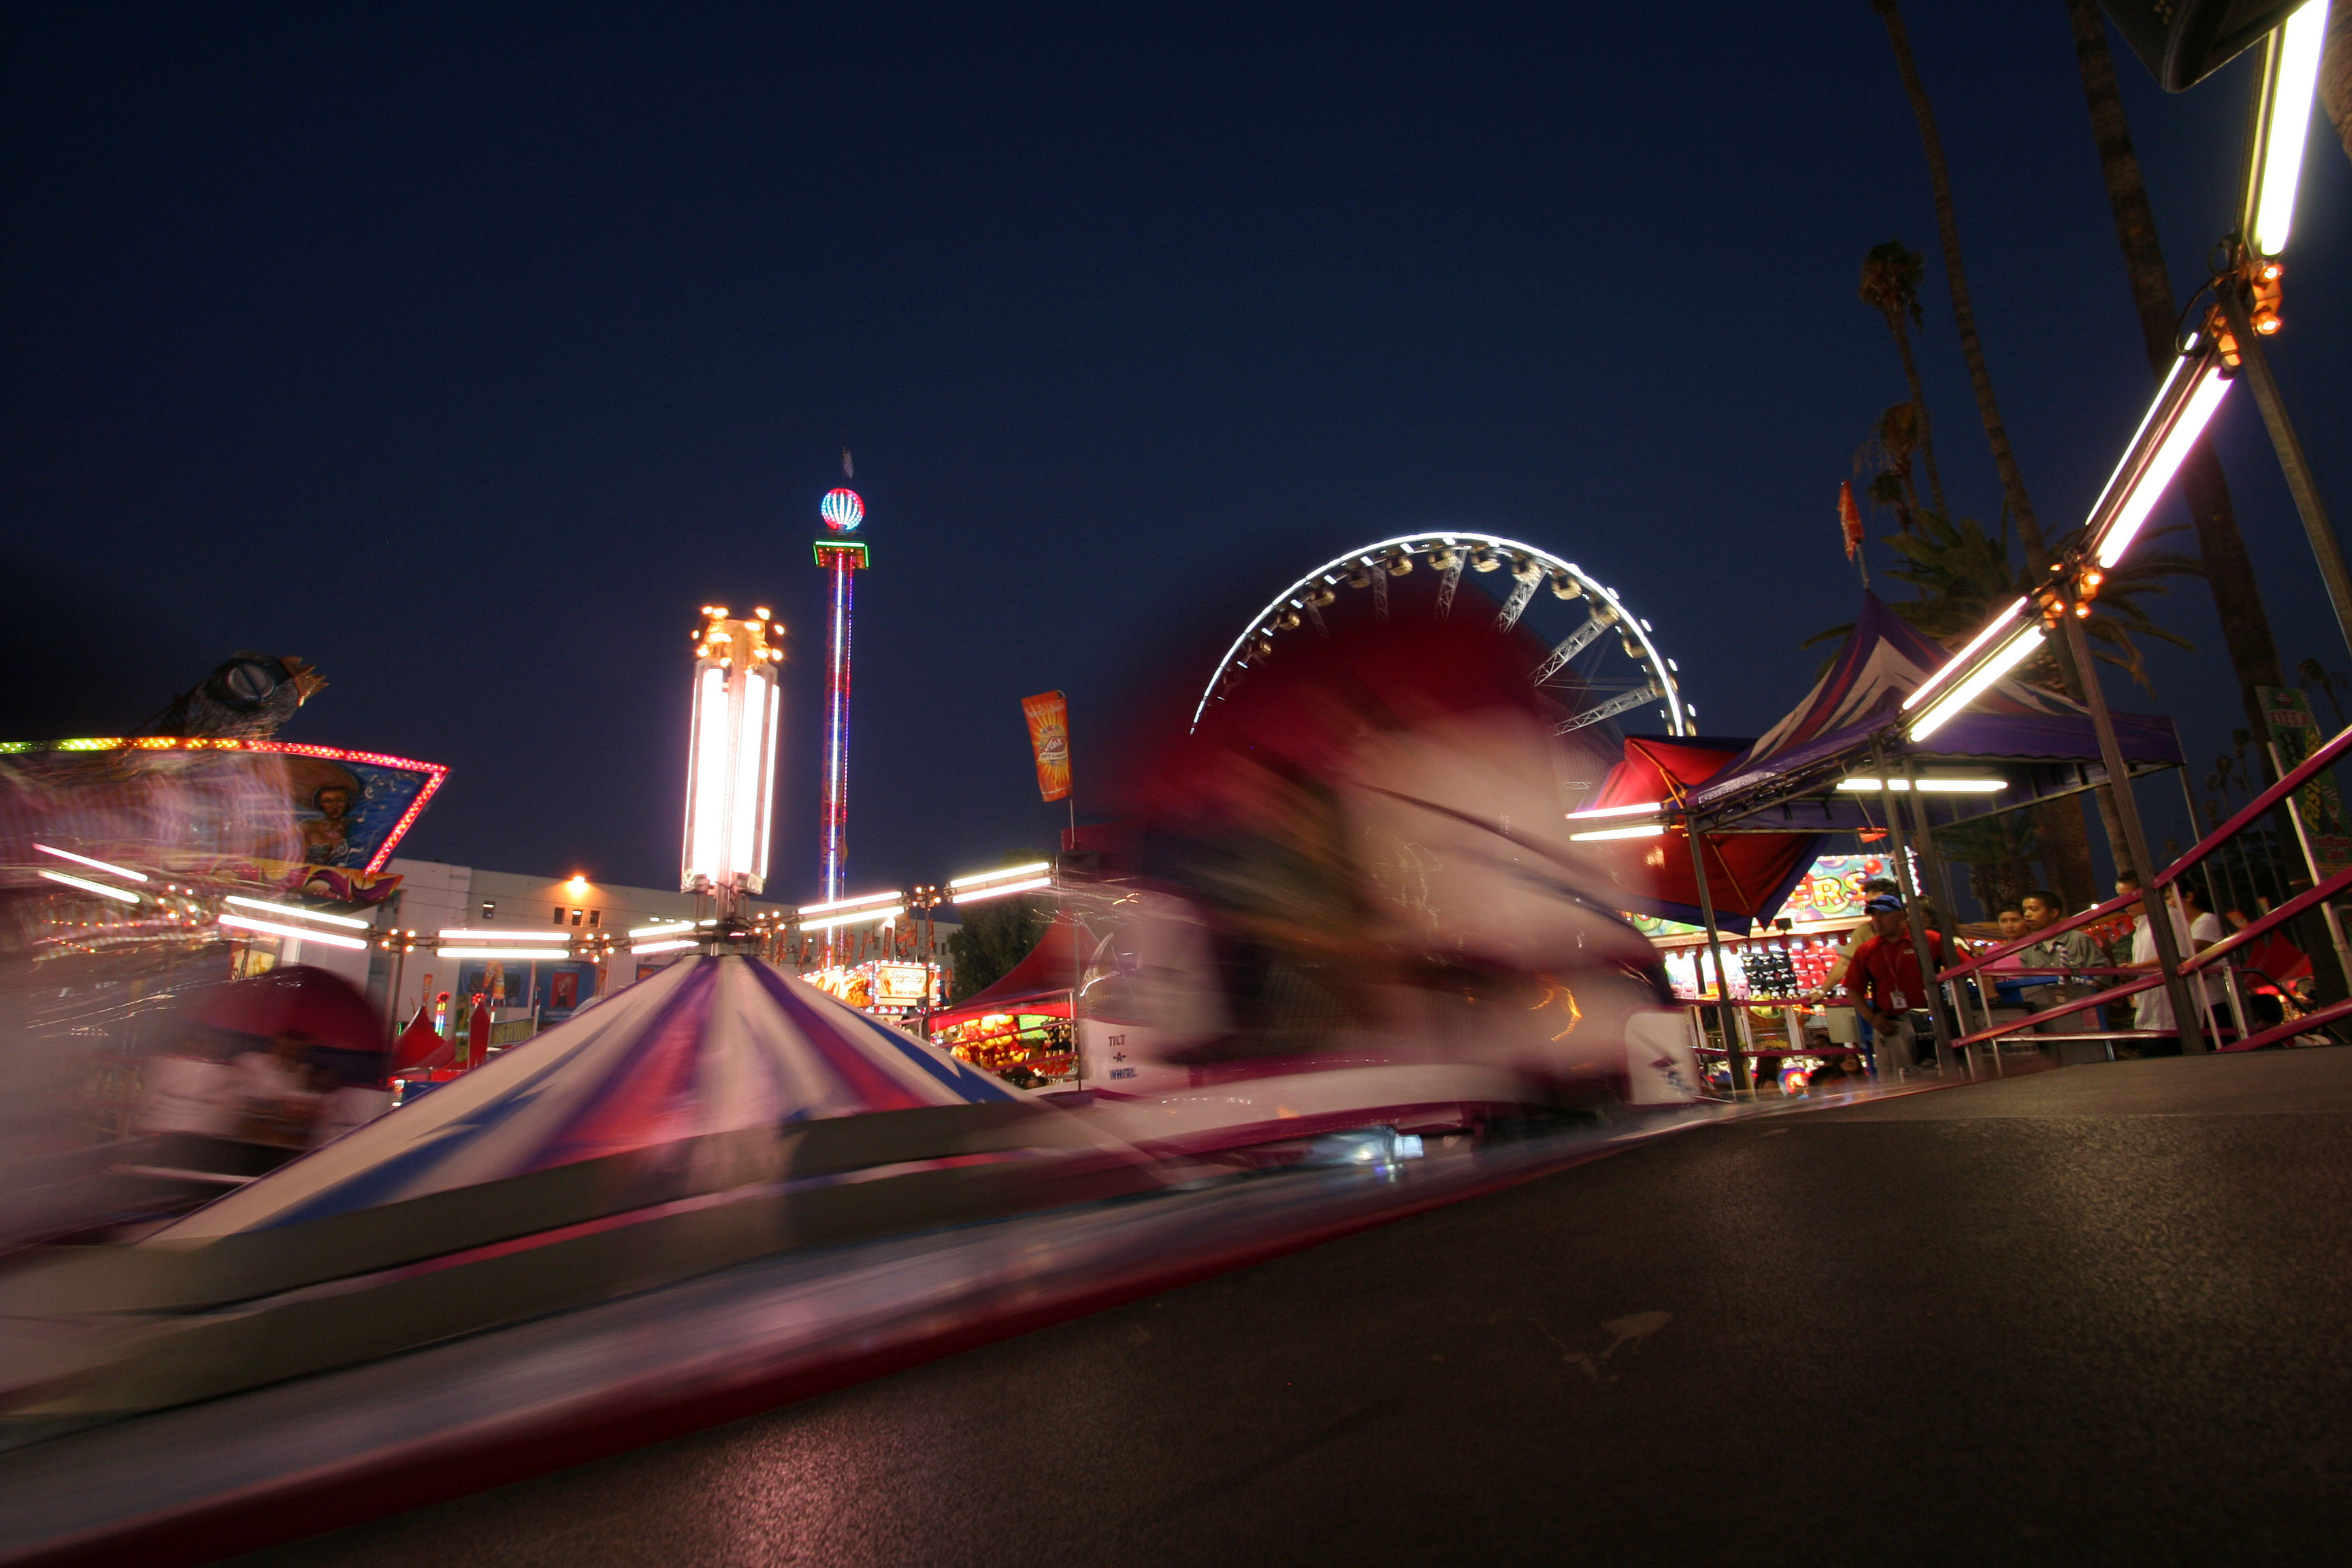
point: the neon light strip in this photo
(290, 910)
(276, 928)
(94, 864)
(1960, 661)
(1926, 786)
(100, 889)
(664, 929)
(1647, 830)
(1616, 810)
(2146, 486)
(849, 903)
(976, 894)
(859, 918)
(679, 945)
(1031, 869)
(524, 955)
(545, 939)
(2286, 118)
(1995, 665)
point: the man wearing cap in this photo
(1882, 979)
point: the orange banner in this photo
(1049, 738)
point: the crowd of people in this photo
(1878, 1004)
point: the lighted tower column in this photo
(730, 766)
(840, 556)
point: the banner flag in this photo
(1049, 737)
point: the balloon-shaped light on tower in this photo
(841, 556)
(730, 768)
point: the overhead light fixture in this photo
(1925, 787)
(2004, 657)
(110, 869)
(2281, 116)
(1646, 830)
(1031, 869)
(855, 917)
(291, 912)
(86, 886)
(519, 954)
(2184, 406)
(278, 928)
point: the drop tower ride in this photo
(842, 556)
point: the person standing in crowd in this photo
(1883, 980)
(1845, 1025)
(2070, 951)
(2152, 1008)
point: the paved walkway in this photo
(2097, 1315)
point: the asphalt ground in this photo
(2094, 1315)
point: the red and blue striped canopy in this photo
(708, 1044)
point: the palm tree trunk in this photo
(1919, 402)
(2228, 572)
(2004, 458)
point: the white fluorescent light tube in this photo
(1995, 665)
(671, 946)
(977, 877)
(857, 917)
(973, 895)
(1647, 830)
(849, 903)
(274, 928)
(1960, 661)
(112, 870)
(520, 954)
(86, 886)
(1616, 810)
(1926, 786)
(2293, 79)
(2192, 393)
(292, 912)
(664, 929)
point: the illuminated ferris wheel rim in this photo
(1334, 572)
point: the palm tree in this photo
(2228, 572)
(2068, 851)
(1890, 280)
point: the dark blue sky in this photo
(466, 354)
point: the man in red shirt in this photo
(1883, 980)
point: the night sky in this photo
(466, 354)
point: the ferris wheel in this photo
(1603, 664)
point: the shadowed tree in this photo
(1890, 281)
(2067, 847)
(2229, 571)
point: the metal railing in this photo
(2212, 961)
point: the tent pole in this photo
(1740, 1081)
(1941, 882)
(1917, 923)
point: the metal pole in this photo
(1911, 913)
(2256, 365)
(2134, 845)
(1740, 1080)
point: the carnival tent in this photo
(1861, 695)
(1749, 876)
(710, 1045)
(1039, 984)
